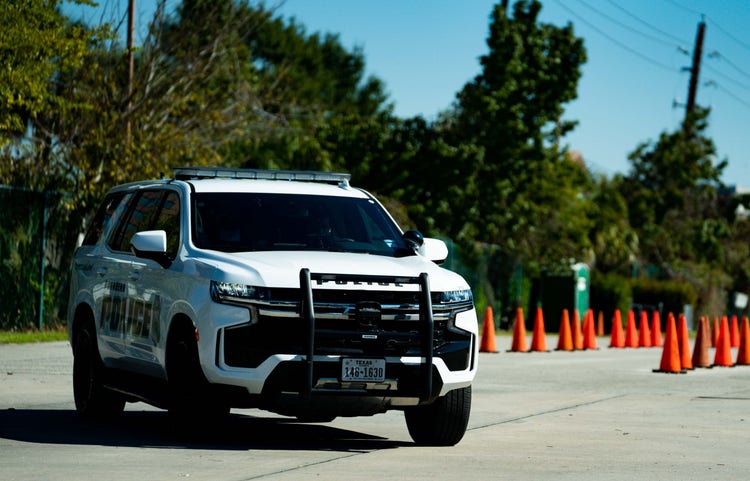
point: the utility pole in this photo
(131, 66)
(696, 68)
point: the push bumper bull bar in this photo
(426, 322)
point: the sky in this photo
(634, 84)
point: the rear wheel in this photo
(92, 399)
(442, 423)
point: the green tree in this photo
(41, 51)
(411, 161)
(529, 192)
(672, 194)
(69, 125)
(737, 255)
(309, 73)
(317, 92)
(615, 242)
(667, 173)
(195, 92)
(36, 44)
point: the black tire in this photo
(92, 399)
(442, 423)
(191, 395)
(312, 418)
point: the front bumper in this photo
(293, 357)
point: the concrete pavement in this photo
(558, 415)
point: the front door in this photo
(151, 288)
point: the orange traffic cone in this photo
(589, 331)
(616, 337)
(519, 333)
(631, 334)
(538, 337)
(565, 339)
(723, 355)
(670, 356)
(743, 354)
(644, 333)
(488, 332)
(577, 334)
(734, 331)
(683, 341)
(700, 350)
(656, 330)
(600, 324)
(715, 332)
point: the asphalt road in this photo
(592, 415)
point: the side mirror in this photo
(413, 239)
(151, 244)
(434, 249)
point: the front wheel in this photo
(313, 418)
(92, 398)
(442, 423)
(192, 397)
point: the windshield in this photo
(245, 222)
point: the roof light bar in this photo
(186, 173)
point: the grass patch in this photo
(18, 337)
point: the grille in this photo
(346, 323)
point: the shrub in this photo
(672, 294)
(609, 292)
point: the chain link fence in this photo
(35, 249)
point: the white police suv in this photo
(289, 291)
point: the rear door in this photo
(98, 268)
(121, 316)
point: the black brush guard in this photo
(425, 320)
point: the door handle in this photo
(101, 272)
(133, 276)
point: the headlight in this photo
(453, 297)
(230, 292)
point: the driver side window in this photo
(139, 218)
(168, 220)
(151, 210)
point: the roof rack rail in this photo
(187, 173)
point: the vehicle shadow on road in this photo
(157, 429)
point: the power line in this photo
(742, 85)
(652, 27)
(713, 23)
(653, 61)
(627, 27)
(725, 32)
(716, 54)
(614, 40)
(721, 29)
(683, 7)
(720, 56)
(734, 96)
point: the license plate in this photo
(371, 370)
